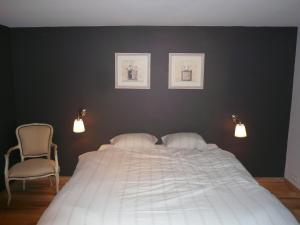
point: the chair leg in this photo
(24, 185)
(50, 179)
(57, 182)
(8, 191)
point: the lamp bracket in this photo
(235, 119)
(81, 113)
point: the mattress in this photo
(163, 186)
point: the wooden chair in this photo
(34, 144)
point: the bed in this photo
(163, 186)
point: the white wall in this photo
(292, 168)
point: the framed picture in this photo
(132, 70)
(186, 70)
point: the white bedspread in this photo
(163, 186)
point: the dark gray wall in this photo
(7, 111)
(248, 71)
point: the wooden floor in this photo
(288, 194)
(27, 206)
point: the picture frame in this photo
(186, 70)
(132, 70)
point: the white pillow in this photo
(184, 140)
(134, 140)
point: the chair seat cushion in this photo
(32, 168)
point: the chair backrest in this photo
(34, 139)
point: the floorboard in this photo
(286, 192)
(27, 206)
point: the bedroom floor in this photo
(27, 206)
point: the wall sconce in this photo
(78, 126)
(240, 129)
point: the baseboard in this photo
(293, 185)
(292, 179)
(269, 179)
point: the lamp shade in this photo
(240, 130)
(78, 126)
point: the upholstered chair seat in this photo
(34, 145)
(32, 168)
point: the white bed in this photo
(163, 186)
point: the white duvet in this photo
(163, 186)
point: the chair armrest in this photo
(6, 156)
(54, 146)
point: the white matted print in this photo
(132, 70)
(186, 70)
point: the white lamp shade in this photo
(240, 130)
(78, 126)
